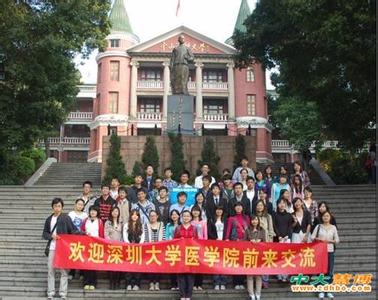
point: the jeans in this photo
(331, 263)
(198, 280)
(51, 277)
(173, 280)
(90, 277)
(250, 281)
(185, 283)
(220, 280)
(238, 279)
(133, 279)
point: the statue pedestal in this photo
(180, 112)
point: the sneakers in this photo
(92, 287)
(199, 288)
(135, 288)
(129, 287)
(217, 287)
(222, 287)
(241, 287)
(321, 295)
(330, 296)
(86, 287)
(157, 286)
(152, 286)
(194, 288)
(258, 297)
(252, 297)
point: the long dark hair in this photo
(170, 217)
(197, 208)
(297, 189)
(111, 217)
(265, 210)
(137, 229)
(258, 224)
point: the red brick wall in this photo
(132, 150)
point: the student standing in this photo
(77, 216)
(180, 206)
(168, 182)
(302, 223)
(235, 231)
(255, 234)
(310, 204)
(186, 230)
(200, 202)
(205, 171)
(236, 177)
(57, 223)
(173, 223)
(184, 179)
(105, 203)
(123, 204)
(92, 226)
(113, 232)
(322, 208)
(298, 170)
(283, 227)
(114, 186)
(216, 231)
(266, 222)
(201, 228)
(277, 188)
(215, 199)
(133, 233)
(297, 187)
(87, 196)
(228, 187)
(162, 205)
(144, 206)
(154, 232)
(326, 232)
(148, 182)
(239, 198)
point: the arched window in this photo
(250, 75)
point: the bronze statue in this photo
(179, 65)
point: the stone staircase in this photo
(23, 265)
(71, 174)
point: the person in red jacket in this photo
(92, 226)
(188, 231)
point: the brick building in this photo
(133, 84)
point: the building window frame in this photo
(150, 105)
(113, 102)
(114, 70)
(251, 105)
(250, 75)
(114, 43)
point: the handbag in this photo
(47, 249)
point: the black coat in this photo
(283, 224)
(269, 207)
(64, 226)
(306, 220)
(246, 206)
(210, 206)
(212, 229)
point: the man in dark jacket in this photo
(105, 203)
(214, 199)
(56, 224)
(239, 197)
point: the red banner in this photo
(191, 256)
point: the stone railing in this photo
(69, 141)
(215, 117)
(215, 85)
(285, 145)
(80, 116)
(150, 84)
(141, 116)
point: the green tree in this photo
(239, 150)
(114, 164)
(177, 152)
(299, 122)
(137, 168)
(150, 154)
(325, 53)
(210, 157)
(39, 40)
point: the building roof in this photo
(244, 12)
(226, 49)
(119, 19)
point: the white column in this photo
(133, 88)
(167, 75)
(199, 100)
(231, 91)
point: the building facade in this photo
(133, 85)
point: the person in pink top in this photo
(201, 228)
(235, 231)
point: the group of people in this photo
(243, 206)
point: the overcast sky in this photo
(149, 18)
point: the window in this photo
(251, 105)
(250, 75)
(150, 74)
(150, 106)
(214, 76)
(99, 73)
(114, 43)
(114, 70)
(112, 130)
(113, 102)
(213, 107)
